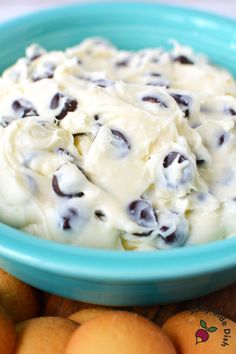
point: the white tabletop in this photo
(13, 8)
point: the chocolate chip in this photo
(200, 162)
(230, 111)
(49, 76)
(122, 63)
(70, 106)
(154, 99)
(57, 190)
(119, 140)
(55, 187)
(5, 121)
(155, 74)
(100, 215)
(67, 217)
(186, 113)
(30, 112)
(34, 52)
(56, 122)
(164, 228)
(142, 213)
(64, 152)
(16, 106)
(46, 76)
(142, 234)
(168, 160)
(103, 83)
(170, 238)
(173, 234)
(35, 56)
(183, 60)
(119, 135)
(151, 99)
(55, 102)
(48, 73)
(183, 101)
(24, 108)
(221, 140)
(185, 174)
(181, 159)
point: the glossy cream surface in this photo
(106, 148)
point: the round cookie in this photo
(46, 335)
(87, 314)
(19, 299)
(116, 332)
(201, 333)
(7, 333)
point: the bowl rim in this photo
(179, 9)
(116, 265)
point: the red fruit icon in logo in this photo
(202, 334)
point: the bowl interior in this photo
(129, 26)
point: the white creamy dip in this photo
(113, 149)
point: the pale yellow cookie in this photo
(19, 299)
(7, 333)
(44, 335)
(84, 315)
(119, 332)
(201, 332)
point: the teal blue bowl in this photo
(115, 277)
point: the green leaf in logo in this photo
(212, 329)
(203, 324)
